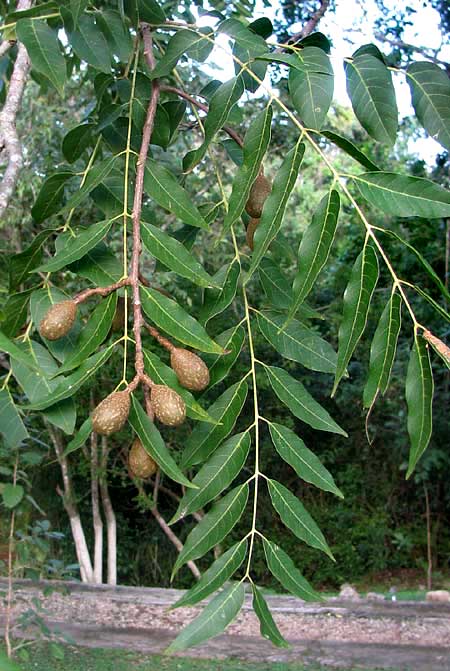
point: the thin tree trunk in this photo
(79, 538)
(429, 552)
(96, 515)
(9, 595)
(110, 517)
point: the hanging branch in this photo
(9, 140)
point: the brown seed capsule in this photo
(118, 322)
(191, 371)
(261, 188)
(169, 407)
(58, 320)
(250, 233)
(140, 462)
(111, 414)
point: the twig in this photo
(9, 140)
(137, 203)
(160, 338)
(182, 94)
(101, 291)
(5, 46)
(311, 24)
(404, 45)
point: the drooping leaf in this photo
(256, 142)
(63, 415)
(77, 247)
(70, 385)
(12, 495)
(372, 94)
(213, 619)
(44, 50)
(249, 44)
(268, 628)
(215, 476)
(216, 301)
(15, 313)
(350, 149)
(215, 576)
(50, 196)
(95, 176)
(116, 33)
(153, 443)
(23, 263)
(93, 333)
(357, 297)
(430, 93)
(315, 247)
(297, 343)
(174, 255)
(300, 402)
(11, 426)
(308, 467)
(275, 205)
(284, 570)
(419, 390)
(90, 45)
(205, 438)
(214, 527)
(220, 105)
(219, 365)
(172, 319)
(33, 12)
(382, 350)
(404, 196)
(164, 189)
(295, 517)
(437, 306)
(76, 141)
(99, 266)
(275, 284)
(9, 347)
(309, 59)
(80, 437)
(311, 89)
(183, 41)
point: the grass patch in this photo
(86, 659)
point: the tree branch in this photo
(311, 24)
(110, 517)
(404, 45)
(9, 140)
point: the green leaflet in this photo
(99, 266)
(382, 350)
(311, 89)
(275, 205)
(300, 402)
(214, 618)
(305, 463)
(296, 518)
(90, 45)
(215, 576)
(163, 188)
(430, 93)
(216, 301)
(315, 247)
(274, 284)
(25, 262)
(296, 342)
(116, 33)
(310, 59)
(80, 437)
(70, 385)
(232, 341)
(12, 495)
(404, 196)
(162, 374)
(215, 476)
(357, 297)
(213, 528)
(205, 438)
(95, 176)
(223, 99)
(51, 195)
(350, 149)
(9, 347)
(93, 333)
(372, 94)
(284, 570)
(268, 628)
(11, 426)
(77, 247)
(419, 389)
(44, 50)
(256, 142)
(154, 444)
(174, 255)
(172, 319)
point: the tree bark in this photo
(110, 517)
(96, 515)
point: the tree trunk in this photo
(110, 517)
(96, 515)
